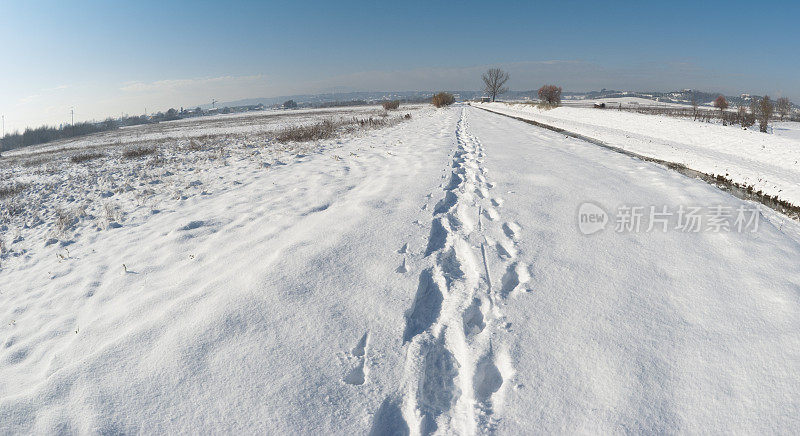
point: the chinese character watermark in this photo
(593, 218)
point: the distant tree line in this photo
(45, 134)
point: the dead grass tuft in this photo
(12, 189)
(135, 152)
(85, 157)
(313, 132)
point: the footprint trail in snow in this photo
(456, 370)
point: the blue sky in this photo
(107, 58)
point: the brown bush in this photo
(550, 95)
(390, 105)
(443, 99)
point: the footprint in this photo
(403, 249)
(455, 181)
(491, 213)
(402, 269)
(437, 238)
(487, 379)
(361, 347)
(497, 202)
(426, 307)
(438, 390)
(446, 203)
(511, 229)
(388, 419)
(517, 274)
(473, 318)
(506, 250)
(357, 375)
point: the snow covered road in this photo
(427, 277)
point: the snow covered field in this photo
(770, 163)
(429, 276)
(249, 126)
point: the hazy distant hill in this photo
(684, 96)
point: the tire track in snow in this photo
(454, 372)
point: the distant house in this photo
(485, 99)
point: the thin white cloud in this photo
(183, 84)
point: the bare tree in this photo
(721, 103)
(550, 94)
(694, 107)
(783, 106)
(764, 110)
(493, 81)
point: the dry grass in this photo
(35, 162)
(546, 106)
(65, 220)
(135, 152)
(11, 190)
(313, 132)
(85, 157)
(391, 105)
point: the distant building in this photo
(485, 99)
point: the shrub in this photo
(443, 99)
(135, 152)
(390, 105)
(783, 106)
(746, 119)
(85, 157)
(550, 95)
(763, 114)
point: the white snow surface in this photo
(427, 277)
(768, 162)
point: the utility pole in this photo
(72, 123)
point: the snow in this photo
(768, 162)
(626, 102)
(237, 125)
(424, 277)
